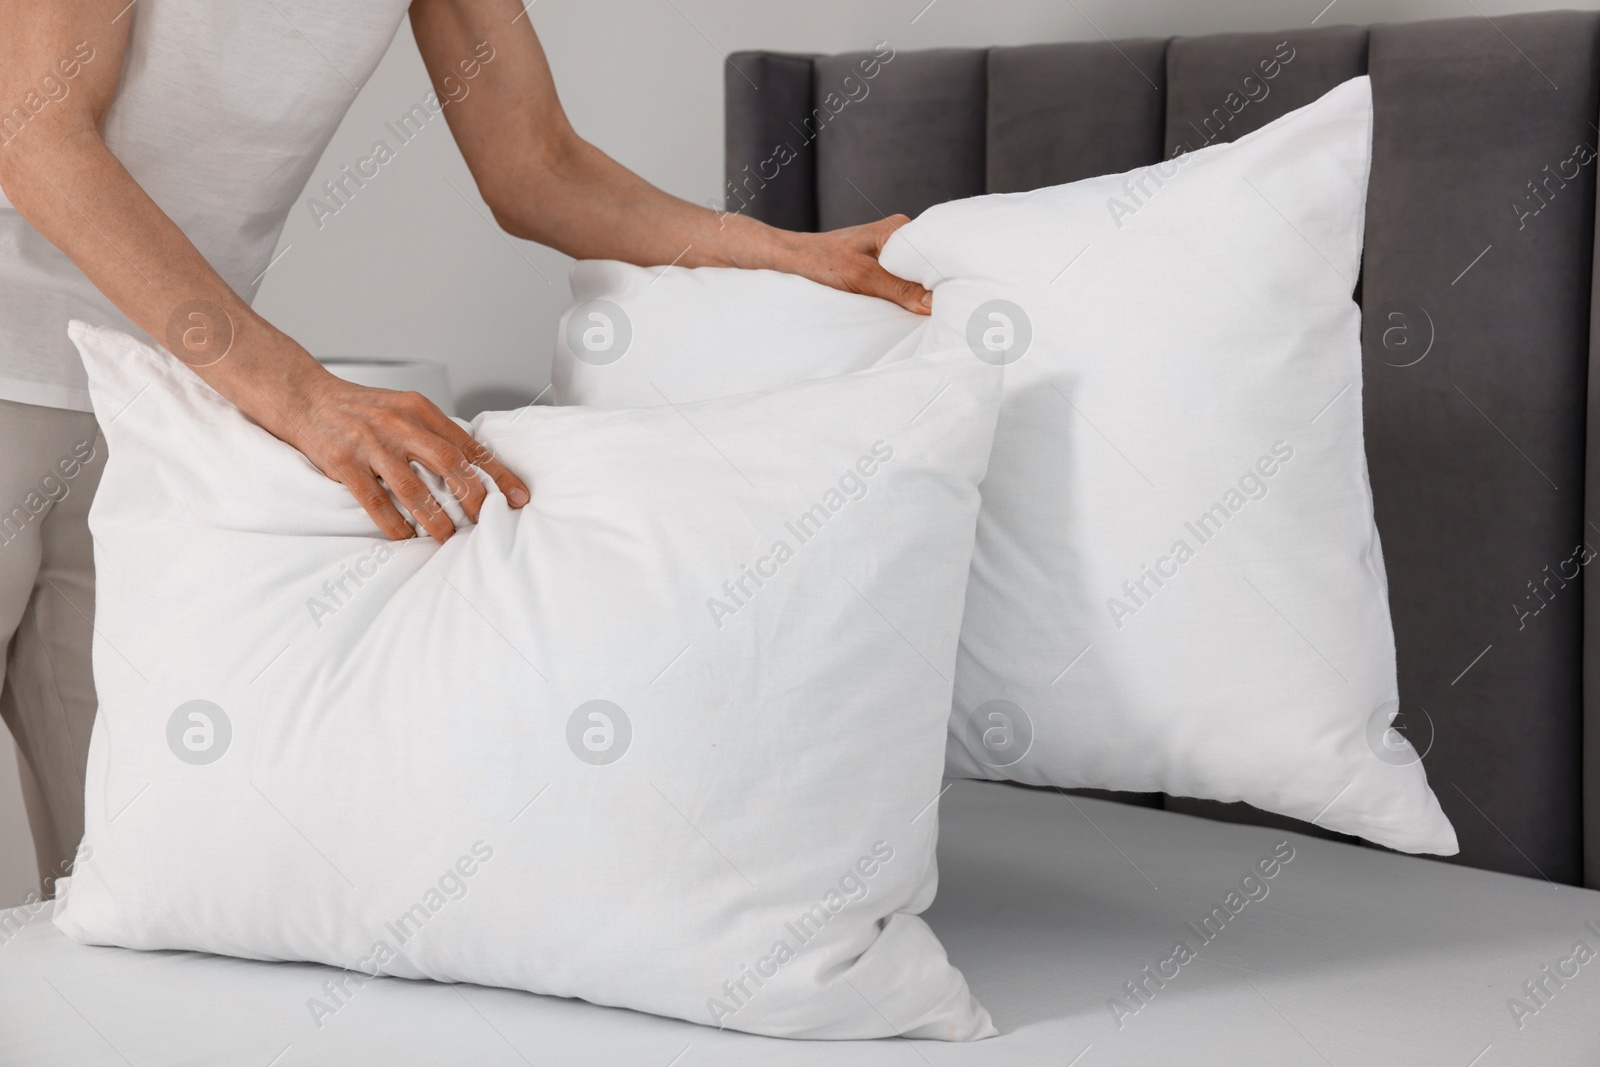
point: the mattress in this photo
(1051, 906)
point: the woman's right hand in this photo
(368, 438)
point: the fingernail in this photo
(927, 300)
(517, 497)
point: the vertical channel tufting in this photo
(905, 138)
(770, 169)
(1062, 112)
(1591, 581)
(1221, 88)
(1480, 226)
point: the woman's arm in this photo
(544, 183)
(59, 174)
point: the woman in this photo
(149, 153)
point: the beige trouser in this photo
(50, 464)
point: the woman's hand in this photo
(545, 183)
(367, 439)
(848, 259)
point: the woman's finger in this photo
(448, 462)
(897, 290)
(414, 497)
(376, 503)
(514, 488)
(884, 229)
(908, 294)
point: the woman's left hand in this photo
(848, 259)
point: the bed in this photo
(1482, 419)
(1063, 910)
(1049, 905)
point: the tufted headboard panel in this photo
(1476, 289)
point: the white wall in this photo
(410, 271)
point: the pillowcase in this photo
(668, 738)
(643, 337)
(1178, 584)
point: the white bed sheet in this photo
(1048, 904)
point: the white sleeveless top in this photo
(223, 111)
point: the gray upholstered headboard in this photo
(1477, 292)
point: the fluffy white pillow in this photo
(668, 738)
(642, 337)
(1178, 584)
(1180, 339)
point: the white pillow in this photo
(643, 337)
(1179, 323)
(1178, 584)
(618, 745)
